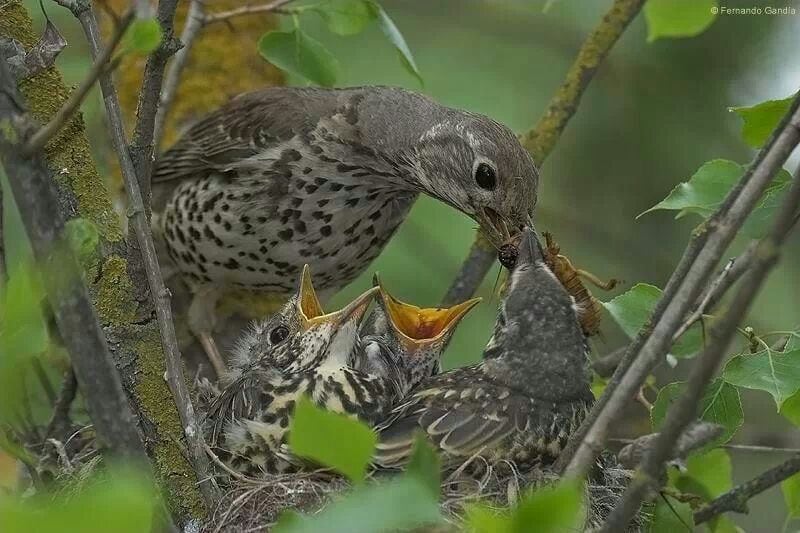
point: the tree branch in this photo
(684, 287)
(721, 334)
(736, 499)
(541, 140)
(141, 148)
(172, 78)
(100, 65)
(477, 263)
(751, 448)
(606, 365)
(35, 195)
(158, 291)
(270, 7)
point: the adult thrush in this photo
(298, 351)
(405, 343)
(523, 400)
(287, 176)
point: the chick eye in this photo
(485, 177)
(278, 334)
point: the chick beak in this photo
(311, 313)
(418, 327)
(308, 302)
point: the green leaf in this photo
(678, 18)
(671, 517)
(555, 509)
(704, 191)
(16, 450)
(23, 335)
(791, 495)
(124, 504)
(483, 519)
(707, 188)
(793, 341)
(392, 33)
(143, 37)
(16, 247)
(297, 53)
(720, 404)
(778, 373)
(791, 409)
(632, 309)
(761, 119)
(599, 384)
(761, 219)
(346, 17)
(23, 330)
(707, 475)
(424, 464)
(401, 504)
(331, 439)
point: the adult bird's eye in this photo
(485, 177)
(278, 334)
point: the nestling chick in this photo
(405, 343)
(299, 351)
(523, 400)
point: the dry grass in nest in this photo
(252, 504)
(255, 504)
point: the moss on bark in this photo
(132, 332)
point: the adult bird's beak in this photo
(494, 226)
(311, 313)
(419, 327)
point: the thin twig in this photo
(578, 438)
(704, 251)
(751, 448)
(141, 148)
(39, 139)
(35, 194)
(545, 134)
(606, 364)
(477, 263)
(721, 334)
(158, 291)
(172, 78)
(270, 7)
(736, 499)
(734, 270)
(541, 140)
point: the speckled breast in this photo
(256, 229)
(255, 443)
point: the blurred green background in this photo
(654, 113)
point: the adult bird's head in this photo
(478, 166)
(466, 160)
(301, 335)
(404, 342)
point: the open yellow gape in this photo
(423, 324)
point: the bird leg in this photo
(212, 352)
(201, 320)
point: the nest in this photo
(256, 504)
(250, 504)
